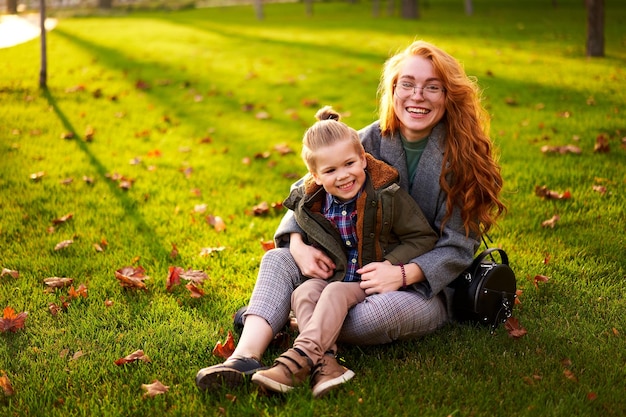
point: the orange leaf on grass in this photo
(540, 278)
(11, 321)
(5, 383)
(131, 277)
(80, 292)
(224, 351)
(137, 355)
(267, 245)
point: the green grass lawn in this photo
(156, 123)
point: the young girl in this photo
(350, 207)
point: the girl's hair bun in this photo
(327, 113)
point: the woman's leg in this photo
(396, 315)
(267, 313)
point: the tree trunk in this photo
(105, 4)
(309, 7)
(391, 7)
(11, 6)
(410, 9)
(595, 27)
(43, 70)
(375, 8)
(258, 7)
(469, 7)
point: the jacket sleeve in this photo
(409, 224)
(288, 224)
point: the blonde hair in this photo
(327, 131)
(470, 176)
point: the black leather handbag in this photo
(485, 292)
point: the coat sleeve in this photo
(409, 224)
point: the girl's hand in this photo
(313, 263)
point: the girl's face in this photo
(419, 109)
(340, 169)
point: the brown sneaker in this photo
(289, 370)
(328, 374)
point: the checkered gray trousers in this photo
(381, 318)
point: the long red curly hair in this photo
(470, 175)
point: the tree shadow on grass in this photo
(143, 229)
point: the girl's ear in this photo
(318, 181)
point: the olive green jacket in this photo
(390, 225)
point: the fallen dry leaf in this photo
(80, 292)
(540, 278)
(194, 275)
(209, 251)
(5, 383)
(217, 222)
(63, 219)
(64, 244)
(137, 355)
(224, 351)
(561, 149)
(131, 277)
(514, 329)
(12, 322)
(6, 271)
(544, 192)
(155, 388)
(56, 282)
(267, 245)
(194, 290)
(551, 222)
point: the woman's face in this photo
(418, 109)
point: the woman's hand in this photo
(313, 263)
(381, 277)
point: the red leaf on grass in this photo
(11, 321)
(224, 351)
(514, 329)
(131, 277)
(195, 291)
(540, 278)
(602, 144)
(137, 355)
(173, 278)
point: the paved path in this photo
(16, 29)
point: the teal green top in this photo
(413, 152)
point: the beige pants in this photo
(320, 308)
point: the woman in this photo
(434, 131)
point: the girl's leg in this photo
(267, 313)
